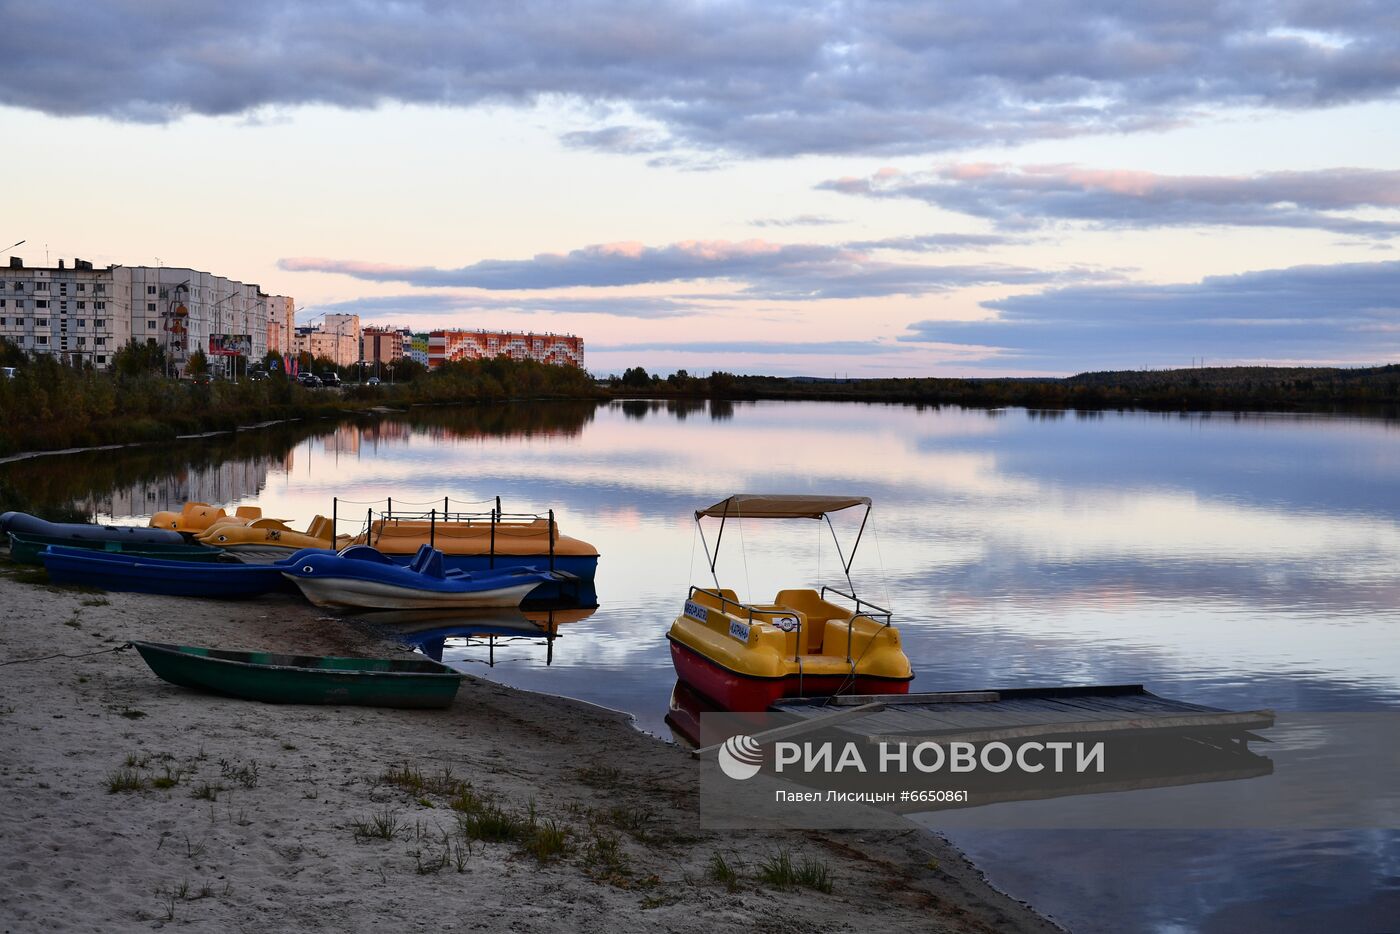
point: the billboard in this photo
(230, 345)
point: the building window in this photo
(82, 305)
(2, 322)
(101, 359)
(19, 286)
(43, 339)
(41, 303)
(2, 303)
(150, 341)
(99, 287)
(99, 305)
(82, 342)
(41, 286)
(150, 306)
(150, 290)
(42, 322)
(82, 322)
(100, 341)
(82, 287)
(63, 288)
(150, 325)
(100, 323)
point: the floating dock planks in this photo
(1019, 713)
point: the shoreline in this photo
(244, 815)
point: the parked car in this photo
(257, 375)
(310, 380)
(372, 381)
(330, 378)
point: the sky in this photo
(827, 189)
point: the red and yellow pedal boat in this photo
(744, 656)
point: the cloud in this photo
(619, 139)
(452, 303)
(743, 77)
(1025, 197)
(1324, 314)
(761, 268)
(801, 220)
(778, 348)
(933, 243)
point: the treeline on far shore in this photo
(48, 405)
(1196, 389)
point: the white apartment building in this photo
(88, 314)
(78, 311)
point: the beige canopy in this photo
(780, 506)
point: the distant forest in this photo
(1202, 389)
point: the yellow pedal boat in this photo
(484, 542)
(196, 517)
(744, 656)
(269, 538)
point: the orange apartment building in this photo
(449, 346)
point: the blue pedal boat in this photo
(363, 578)
(119, 572)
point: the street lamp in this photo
(13, 245)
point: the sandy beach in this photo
(129, 803)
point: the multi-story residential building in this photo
(337, 337)
(448, 346)
(418, 348)
(78, 312)
(281, 323)
(383, 345)
(87, 314)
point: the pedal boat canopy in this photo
(780, 506)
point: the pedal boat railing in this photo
(496, 517)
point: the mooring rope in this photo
(44, 658)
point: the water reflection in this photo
(435, 632)
(1243, 561)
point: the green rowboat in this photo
(25, 548)
(304, 679)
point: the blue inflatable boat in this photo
(119, 572)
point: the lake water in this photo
(1240, 561)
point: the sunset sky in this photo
(862, 188)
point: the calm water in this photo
(1249, 561)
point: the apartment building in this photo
(449, 346)
(384, 345)
(337, 337)
(86, 315)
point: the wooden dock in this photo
(1152, 741)
(1016, 714)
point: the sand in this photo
(256, 829)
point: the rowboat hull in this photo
(25, 549)
(123, 573)
(287, 679)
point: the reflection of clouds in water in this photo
(1218, 882)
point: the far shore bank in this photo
(132, 803)
(49, 406)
